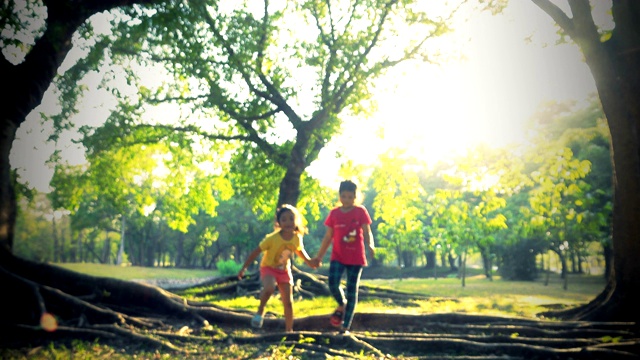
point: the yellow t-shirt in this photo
(277, 251)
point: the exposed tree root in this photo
(137, 316)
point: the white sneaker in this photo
(256, 321)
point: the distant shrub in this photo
(518, 260)
(228, 267)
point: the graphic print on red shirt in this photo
(348, 238)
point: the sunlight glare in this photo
(48, 322)
(498, 71)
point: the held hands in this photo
(314, 263)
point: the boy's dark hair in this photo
(347, 185)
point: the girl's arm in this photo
(307, 259)
(326, 241)
(254, 254)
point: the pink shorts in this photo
(281, 276)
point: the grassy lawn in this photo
(498, 297)
(478, 296)
(137, 272)
(581, 288)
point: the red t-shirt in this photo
(348, 238)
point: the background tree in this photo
(238, 229)
(274, 79)
(156, 188)
(447, 210)
(431, 180)
(480, 173)
(34, 238)
(583, 132)
(397, 206)
(556, 200)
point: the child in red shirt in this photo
(349, 231)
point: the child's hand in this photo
(314, 263)
(372, 251)
(240, 274)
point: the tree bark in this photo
(8, 205)
(615, 64)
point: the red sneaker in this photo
(336, 318)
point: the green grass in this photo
(498, 297)
(478, 296)
(580, 287)
(137, 272)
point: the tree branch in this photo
(557, 15)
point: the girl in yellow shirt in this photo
(275, 267)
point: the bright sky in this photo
(486, 97)
(434, 111)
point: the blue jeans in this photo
(336, 269)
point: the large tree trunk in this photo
(25, 84)
(290, 184)
(615, 65)
(607, 253)
(304, 152)
(289, 188)
(8, 206)
(28, 82)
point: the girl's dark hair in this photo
(347, 185)
(300, 228)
